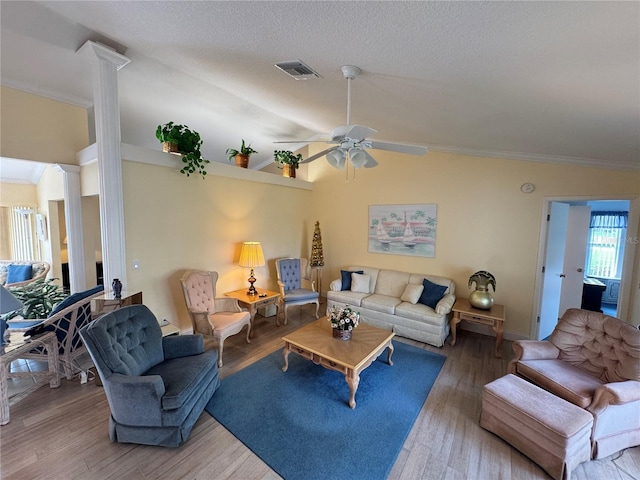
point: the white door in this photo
(575, 255)
(553, 268)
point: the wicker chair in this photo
(39, 270)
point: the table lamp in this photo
(8, 303)
(251, 256)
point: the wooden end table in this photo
(253, 302)
(315, 342)
(19, 345)
(462, 310)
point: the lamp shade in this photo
(336, 158)
(8, 303)
(251, 255)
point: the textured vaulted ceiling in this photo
(550, 81)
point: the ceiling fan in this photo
(351, 141)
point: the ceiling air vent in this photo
(298, 70)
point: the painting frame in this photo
(403, 229)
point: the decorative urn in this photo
(481, 297)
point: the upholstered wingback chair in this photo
(156, 387)
(296, 286)
(213, 317)
(591, 360)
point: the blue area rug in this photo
(300, 423)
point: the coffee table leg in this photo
(389, 353)
(285, 356)
(353, 380)
(4, 395)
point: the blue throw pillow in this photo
(19, 273)
(431, 294)
(346, 278)
(75, 297)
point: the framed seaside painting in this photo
(403, 229)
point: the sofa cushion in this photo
(19, 273)
(360, 283)
(562, 379)
(418, 312)
(347, 297)
(381, 303)
(346, 278)
(431, 294)
(412, 293)
(391, 283)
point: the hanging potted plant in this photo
(179, 139)
(241, 156)
(287, 161)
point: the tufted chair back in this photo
(128, 341)
(290, 273)
(200, 290)
(604, 346)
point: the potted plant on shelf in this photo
(241, 156)
(181, 140)
(287, 161)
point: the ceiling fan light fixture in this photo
(336, 158)
(357, 157)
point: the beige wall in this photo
(18, 195)
(484, 221)
(37, 128)
(174, 223)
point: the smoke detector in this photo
(298, 70)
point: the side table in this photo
(462, 310)
(19, 345)
(107, 303)
(253, 302)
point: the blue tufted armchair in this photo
(293, 277)
(156, 387)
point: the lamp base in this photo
(252, 280)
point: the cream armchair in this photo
(216, 318)
(593, 361)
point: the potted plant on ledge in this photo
(287, 161)
(180, 140)
(241, 156)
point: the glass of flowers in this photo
(343, 321)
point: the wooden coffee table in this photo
(316, 343)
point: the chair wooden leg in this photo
(286, 319)
(220, 348)
(317, 309)
(248, 332)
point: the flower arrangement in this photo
(343, 318)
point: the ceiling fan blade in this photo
(399, 147)
(355, 132)
(321, 154)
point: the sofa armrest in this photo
(445, 304)
(177, 346)
(336, 285)
(532, 350)
(135, 400)
(617, 393)
(227, 304)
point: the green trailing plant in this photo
(188, 142)
(38, 297)
(244, 150)
(286, 157)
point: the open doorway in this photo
(580, 264)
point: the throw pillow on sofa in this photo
(360, 283)
(19, 273)
(431, 294)
(412, 293)
(346, 278)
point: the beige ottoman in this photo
(549, 430)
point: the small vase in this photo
(481, 299)
(169, 147)
(341, 334)
(117, 288)
(288, 171)
(242, 160)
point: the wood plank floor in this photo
(62, 433)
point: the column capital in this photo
(103, 52)
(66, 168)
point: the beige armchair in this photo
(216, 318)
(591, 360)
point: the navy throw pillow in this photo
(346, 278)
(75, 297)
(431, 294)
(19, 273)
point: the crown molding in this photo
(50, 94)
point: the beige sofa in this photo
(387, 302)
(39, 270)
(593, 361)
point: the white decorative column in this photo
(105, 65)
(73, 223)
